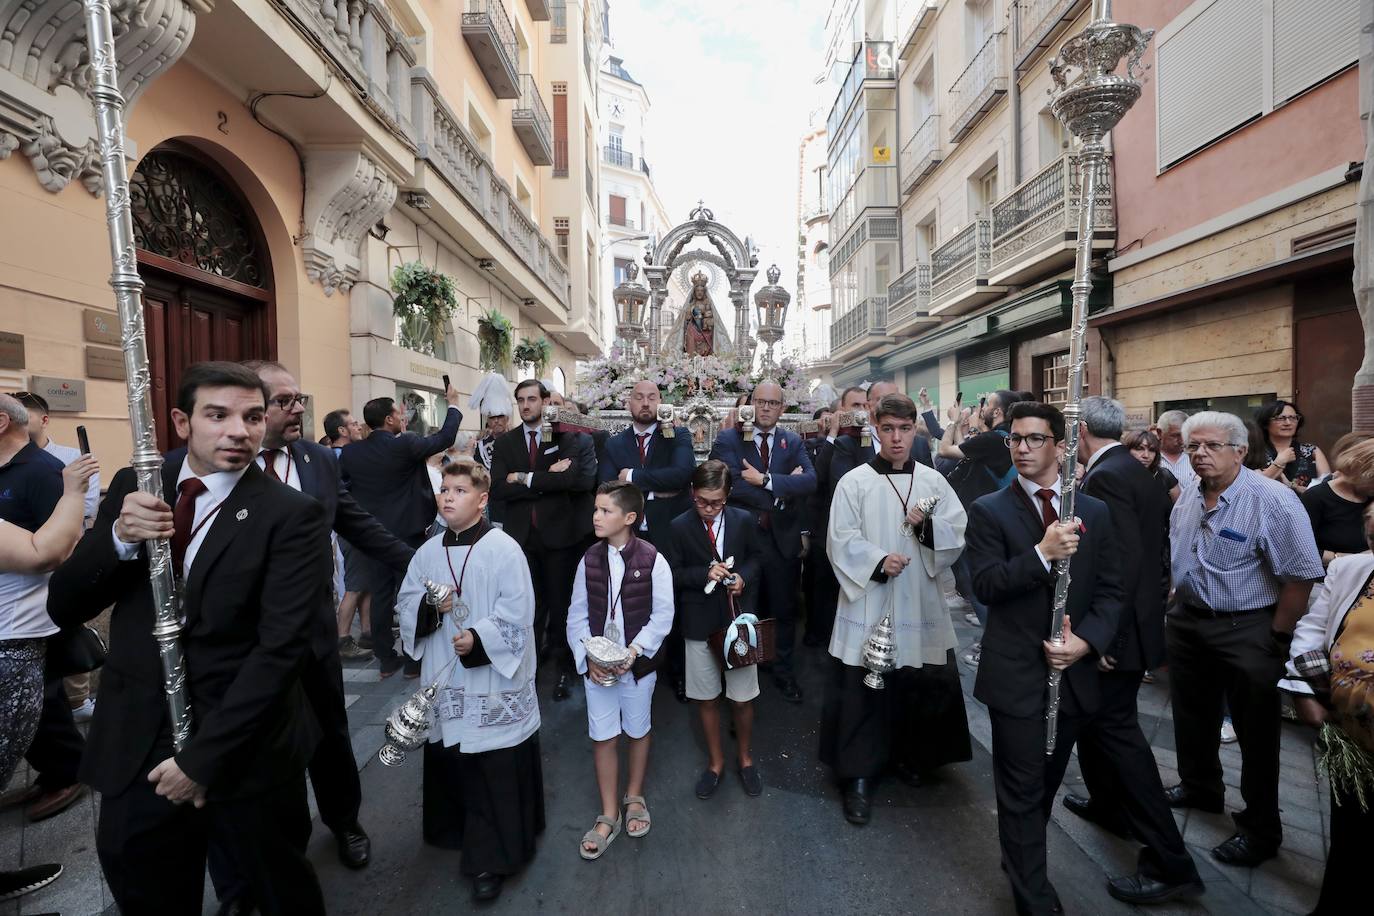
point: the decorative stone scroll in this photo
(346, 192)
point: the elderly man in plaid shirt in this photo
(1244, 561)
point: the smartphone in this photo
(446, 383)
(959, 398)
(82, 440)
(982, 402)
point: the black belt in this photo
(1196, 611)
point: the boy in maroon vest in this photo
(624, 592)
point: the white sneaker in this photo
(1228, 731)
(972, 619)
(85, 711)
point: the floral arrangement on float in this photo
(604, 384)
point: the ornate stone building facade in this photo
(287, 156)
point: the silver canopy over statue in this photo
(698, 319)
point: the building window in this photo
(558, 17)
(617, 206)
(1053, 381)
(560, 130)
(560, 234)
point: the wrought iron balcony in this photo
(614, 155)
(491, 38)
(908, 296)
(922, 153)
(913, 18)
(815, 212)
(1039, 22)
(959, 269)
(864, 322)
(532, 123)
(1035, 227)
(978, 88)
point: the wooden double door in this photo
(188, 321)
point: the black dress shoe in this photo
(487, 886)
(752, 782)
(857, 801)
(707, 783)
(1179, 797)
(680, 689)
(355, 849)
(1244, 851)
(561, 691)
(790, 689)
(1084, 808)
(1140, 889)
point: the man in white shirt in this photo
(1169, 429)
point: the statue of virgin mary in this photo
(698, 319)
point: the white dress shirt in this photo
(218, 486)
(288, 472)
(1031, 488)
(1097, 455)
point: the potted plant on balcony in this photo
(535, 354)
(425, 301)
(494, 333)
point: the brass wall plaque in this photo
(11, 350)
(64, 395)
(101, 327)
(103, 362)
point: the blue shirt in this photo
(30, 486)
(1237, 555)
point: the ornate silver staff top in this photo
(1089, 105)
(103, 89)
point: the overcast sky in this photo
(730, 85)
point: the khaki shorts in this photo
(704, 675)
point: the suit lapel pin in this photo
(306, 456)
(241, 515)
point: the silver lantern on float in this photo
(630, 299)
(770, 303)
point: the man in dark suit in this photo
(818, 577)
(770, 476)
(850, 452)
(1125, 794)
(1014, 537)
(254, 559)
(387, 476)
(661, 467)
(542, 490)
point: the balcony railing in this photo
(961, 264)
(614, 155)
(558, 22)
(872, 62)
(814, 211)
(978, 87)
(1038, 22)
(1039, 219)
(532, 122)
(622, 222)
(913, 18)
(921, 153)
(443, 142)
(909, 295)
(867, 319)
(491, 38)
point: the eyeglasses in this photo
(708, 503)
(1193, 448)
(764, 402)
(1034, 440)
(1288, 418)
(287, 401)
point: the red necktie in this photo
(643, 447)
(711, 535)
(184, 519)
(763, 450)
(1047, 513)
(534, 450)
(269, 463)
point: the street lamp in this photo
(771, 304)
(630, 298)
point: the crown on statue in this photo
(699, 279)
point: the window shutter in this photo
(560, 129)
(1311, 42)
(617, 210)
(1211, 76)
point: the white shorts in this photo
(704, 670)
(622, 708)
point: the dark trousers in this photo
(963, 581)
(1351, 852)
(778, 599)
(153, 852)
(55, 753)
(822, 590)
(383, 583)
(552, 569)
(1026, 780)
(1119, 770)
(1233, 658)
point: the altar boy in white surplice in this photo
(483, 788)
(888, 545)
